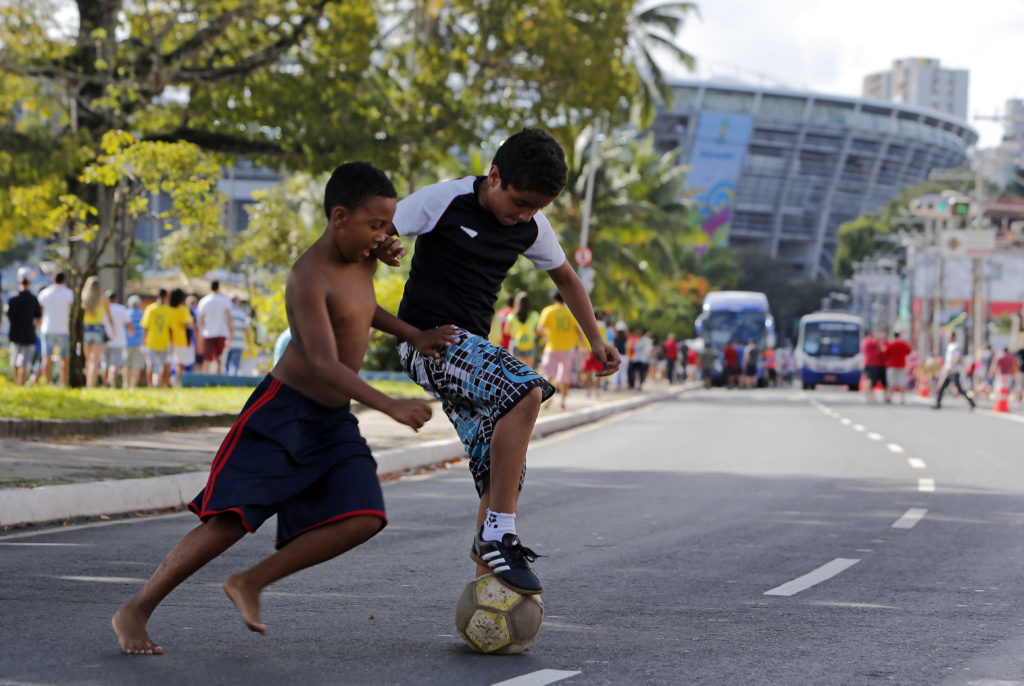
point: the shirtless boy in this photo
(295, 449)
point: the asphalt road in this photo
(726, 537)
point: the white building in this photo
(998, 164)
(921, 82)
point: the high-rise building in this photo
(920, 82)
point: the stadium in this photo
(780, 170)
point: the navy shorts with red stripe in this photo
(289, 455)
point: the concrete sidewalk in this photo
(55, 480)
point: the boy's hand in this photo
(427, 341)
(390, 251)
(608, 355)
(409, 411)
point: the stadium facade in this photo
(780, 170)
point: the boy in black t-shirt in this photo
(470, 232)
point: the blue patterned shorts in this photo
(477, 383)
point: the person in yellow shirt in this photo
(180, 322)
(522, 328)
(96, 314)
(562, 334)
(156, 338)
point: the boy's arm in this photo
(575, 296)
(424, 341)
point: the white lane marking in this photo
(895, 447)
(822, 573)
(910, 518)
(858, 427)
(875, 437)
(926, 485)
(104, 579)
(845, 421)
(538, 678)
(916, 462)
(95, 525)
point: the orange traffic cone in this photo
(1002, 403)
(922, 388)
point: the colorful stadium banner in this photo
(715, 163)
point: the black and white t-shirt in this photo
(463, 255)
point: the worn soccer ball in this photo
(493, 618)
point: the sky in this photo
(829, 46)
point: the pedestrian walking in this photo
(180, 321)
(561, 335)
(24, 315)
(671, 351)
(215, 327)
(952, 369)
(134, 353)
(240, 337)
(156, 325)
(96, 317)
(895, 353)
(521, 324)
(871, 349)
(117, 334)
(56, 301)
(295, 450)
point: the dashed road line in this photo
(822, 573)
(875, 437)
(926, 485)
(845, 422)
(916, 462)
(538, 678)
(895, 447)
(859, 427)
(910, 518)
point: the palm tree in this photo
(650, 27)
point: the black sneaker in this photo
(509, 560)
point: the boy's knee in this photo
(365, 527)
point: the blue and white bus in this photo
(735, 316)
(828, 349)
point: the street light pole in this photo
(586, 272)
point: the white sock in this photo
(497, 524)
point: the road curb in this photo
(56, 503)
(24, 429)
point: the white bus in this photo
(828, 349)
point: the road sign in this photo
(584, 256)
(967, 242)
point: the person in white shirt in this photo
(118, 328)
(241, 338)
(952, 368)
(56, 301)
(215, 326)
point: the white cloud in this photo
(829, 46)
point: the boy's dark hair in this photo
(532, 160)
(352, 183)
(215, 286)
(60, 278)
(177, 297)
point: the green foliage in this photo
(789, 295)
(48, 402)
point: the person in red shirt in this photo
(1003, 369)
(671, 349)
(896, 352)
(731, 360)
(874, 364)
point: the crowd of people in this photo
(892, 366)
(133, 344)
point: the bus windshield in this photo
(831, 339)
(724, 327)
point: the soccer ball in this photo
(493, 618)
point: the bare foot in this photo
(247, 601)
(131, 634)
